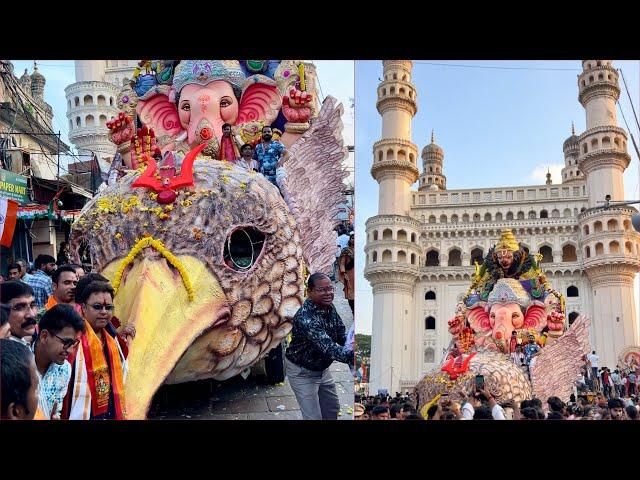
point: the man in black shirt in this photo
(318, 338)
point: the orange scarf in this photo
(100, 377)
(51, 302)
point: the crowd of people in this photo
(61, 352)
(481, 405)
(621, 383)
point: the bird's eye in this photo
(242, 248)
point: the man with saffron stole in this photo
(228, 149)
(96, 389)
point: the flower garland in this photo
(158, 246)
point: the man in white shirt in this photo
(341, 242)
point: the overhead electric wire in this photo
(630, 100)
(493, 67)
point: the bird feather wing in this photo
(313, 185)
(558, 365)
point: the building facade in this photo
(422, 246)
(91, 102)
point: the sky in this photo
(497, 126)
(335, 78)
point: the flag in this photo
(8, 217)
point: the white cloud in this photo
(540, 173)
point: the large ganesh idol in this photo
(509, 293)
(208, 258)
(179, 105)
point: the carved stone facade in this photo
(427, 242)
(92, 101)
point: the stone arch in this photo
(76, 101)
(572, 291)
(386, 256)
(402, 256)
(627, 224)
(390, 154)
(587, 251)
(412, 158)
(547, 254)
(430, 323)
(89, 121)
(380, 155)
(433, 258)
(375, 235)
(567, 212)
(594, 144)
(555, 213)
(111, 101)
(520, 215)
(532, 214)
(430, 295)
(374, 257)
(597, 226)
(600, 76)
(606, 142)
(432, 219)
(395, 76)
(413, 237)
(402, 91)
(102, 100)
(87, 100)
(614, 247)
(387, 234)
(487, 217)
(413, 259)
(509, 215)
(572, 317)
(586, 229)
(77, 121)
(599, 248)
(103, 120)
(476, 217)
(404, 78)
(628, 247)
(429, 355)
(477, 254)
(612, 224)
(498, 217)
(569, 253)
(402, 235)
(455, 257)
(392, 90)
(465, 218)
(584, 147)
(402, 156)
(544, 214)
(443, 218)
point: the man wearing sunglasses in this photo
(96, 389)
(17, 298)
(60, 327)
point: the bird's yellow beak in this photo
(152, 296)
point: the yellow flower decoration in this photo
(118, 235)
(158, 246)
(224, 178)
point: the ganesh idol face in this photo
(204, 109)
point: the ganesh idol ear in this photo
(260, 100)
(313, 185)
(159, 112)
(558, 363)
(536, 317)
(478, 318)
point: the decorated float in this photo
(208, 258)
(509, 292)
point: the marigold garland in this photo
(158, 246)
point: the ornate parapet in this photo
(394, 169)
(603, 158)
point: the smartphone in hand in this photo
(479, 382)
